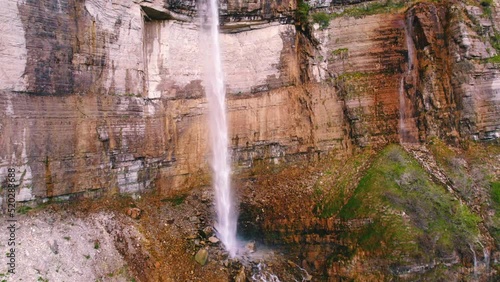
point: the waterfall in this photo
(474, 259)
(402, 111)
(486, 255)
(261, 274)
(216, 95)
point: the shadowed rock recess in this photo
(99, 98)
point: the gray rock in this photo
(250, 246)
(54, 247)
(208, 231)
(206, 197)
(213, 240)
(201, 256)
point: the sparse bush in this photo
(486, 3)
(302, 13)
(321, 18)
(371, 9)
(395, 156)
(494, 59)
(176, 200)
(409, 180)
(495, 192)
(495, 41)
(24, 209)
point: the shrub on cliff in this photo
(321, 18)
(302, 13)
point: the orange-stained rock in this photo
(134, 213)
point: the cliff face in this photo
(100, 96)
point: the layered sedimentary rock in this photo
(455, 90)
(102, 96)
(362, 59)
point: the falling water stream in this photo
(224, 203)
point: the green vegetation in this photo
(495, 41)
(340, 51)
(302, 13)
(454, 167)
(494, 224)
(321, 18)
(486, 4)
(176, 200)
(335, 187)
(354, 84)
(353, 75)
(24, 209)
(404, 212)
(494, 59)
(370, 9)
(495, 194)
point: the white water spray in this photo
(474, 258)
(261, 274)
(226, 213)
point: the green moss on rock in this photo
(409, 215)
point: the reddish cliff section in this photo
(454, 87)
(102, 97)
(362, 60)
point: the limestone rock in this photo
(213, 240)
(207, 232)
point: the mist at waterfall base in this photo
(214, 79)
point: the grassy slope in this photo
(413, 219)
(473, 175)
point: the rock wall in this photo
(175, 55)
(455, 89)
(108, 96)
(362, 60)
